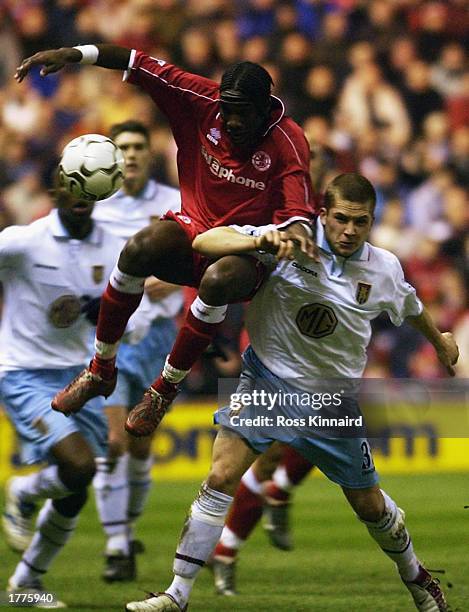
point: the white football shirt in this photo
(124, 216)
(313, 320)
(47, 277)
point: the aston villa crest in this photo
(98, 274)
(363, 292)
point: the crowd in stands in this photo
(379, 86)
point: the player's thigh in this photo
(26, 395)
(162, 249)
(265, 465)
(231, 457)
(233, 278)
(367, 503)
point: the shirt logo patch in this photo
(261, 161)
(222, 172)
(214, 135)
(64, 311)
(316, 320)
(98, 274)
(184, 219)
(363, 292)
(303, 269)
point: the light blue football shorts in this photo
(139, 364)
(346, 461)
(26, 396)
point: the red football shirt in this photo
(219, 185)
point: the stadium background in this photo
(380, 87)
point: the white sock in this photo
(53, 530)
(173, 375)
(280, 478)
(40, 485)
(139, 478)
(112, 495)
(251, 482)
(229, 539)
(393, 538)
(207, 313)
(200, 535)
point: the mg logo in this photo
(316, 320)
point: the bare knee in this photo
(140, 448)
(265, 465)
(77, 472)
(116, 445)
(227, 280)
(223, 479)
(137, 256)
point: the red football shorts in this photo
(200, 262)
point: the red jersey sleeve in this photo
(293, 191)
(177, 93)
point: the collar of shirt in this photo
(337, 262)
(59, 231)
(147, 193)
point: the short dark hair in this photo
(129, 126)
(352, 187)
(252, 80)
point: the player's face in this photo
(346, 226)
(243, 123)
(72, 208)
(137, 156)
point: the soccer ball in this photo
(91, 167)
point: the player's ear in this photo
(323, 214)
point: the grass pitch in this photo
(335, 565)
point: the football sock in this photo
(392, 536)
(244, 515)
(112, 494)
(118, 302)
(139, 478)
(296, 466)
(200, 533)
(194, 336)
(53, 530)
(40, 485)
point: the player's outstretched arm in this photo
(221, 241)
(444, 343)
(108, 56)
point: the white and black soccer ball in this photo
(91, 167)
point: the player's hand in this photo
(448, 352)
(276, 243)
(157, 290)
(51, 61)
(297, 233)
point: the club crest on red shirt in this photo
(261, 161)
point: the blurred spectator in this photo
(320, 94)
(447, 73)
(367, 102)
(419, 95)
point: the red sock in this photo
(245, 512)
(296, 466)
(224, 551)
(103, 367)
(275, 494)
(115, 311)
(192, 340)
